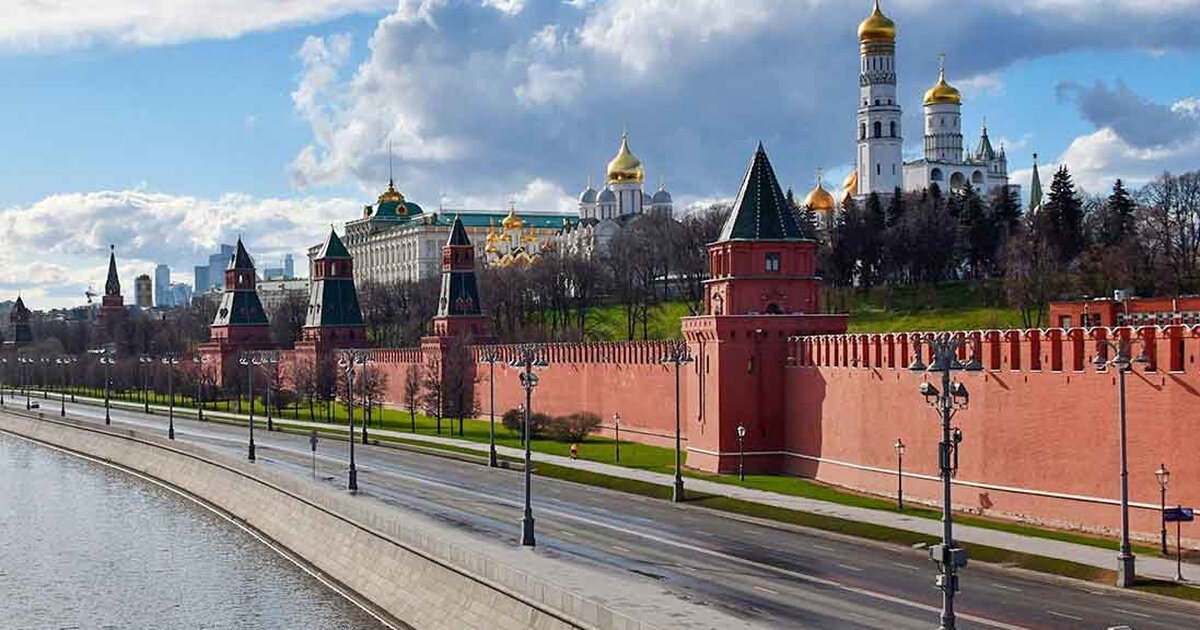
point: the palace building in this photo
(396, 240)
(879, 159)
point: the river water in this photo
(86, 546)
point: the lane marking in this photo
(1134, 613)
(905, 565)
(824, 548)
(1006, 587)
(850, 568)
(620, 548)
(765, 590)
(663, 540)
(1064, 615)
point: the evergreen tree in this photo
(1118, 222)
(895, 239)
(974, 237)
(1065, 215)
(871, 240)
(844, 244)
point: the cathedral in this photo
(879, 160)
(603, 213)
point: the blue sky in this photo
(167, 126)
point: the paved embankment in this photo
(409, 570)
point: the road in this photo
(770, 575)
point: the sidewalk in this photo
(1155, 567)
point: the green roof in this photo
(241, 258)
(483, 218)
(112, 286)
(240, 308)
(333, 248)
(458, 235)
(333, 302)
(761, 212)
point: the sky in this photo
(166, 127)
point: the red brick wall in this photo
(1040, 445)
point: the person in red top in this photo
(574, 451)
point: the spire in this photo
(986, 152)
(333, 248)
(458, 234)
(391, 174)
(760, 211)
(1035, 188)
(113, 285)
(241, 258)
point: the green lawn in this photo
(608, 323)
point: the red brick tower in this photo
(763, 288)
(240, 322)
(459, 310)
(112, 305)
(334, 317)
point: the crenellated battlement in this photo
(617, 352)
(1165, 348)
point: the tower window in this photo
(878, 168)
(893, 126)
(876, 102)
(878, 129)
(772, 262)
(862, 131)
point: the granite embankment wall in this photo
(1041, 432)
(401, 563)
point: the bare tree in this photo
(412, 393)
(433, 387)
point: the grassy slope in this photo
(949, 306)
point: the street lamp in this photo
(952, 398)
(247, 359)
(271, 360)
(3, 378)
(170, 360)
(491, 356)
(899, 446)
(617, 431)
(741, 436)
(145, 361)
(1163, 475)
(199, 360)
(677, 354)
(1126, 563)
(527, 359)
(65, 363)
(46, 361)
(105, 357)
(26, 362)
(348, 359)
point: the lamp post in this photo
(46, 361)
(363, 359)
(3, 378)
(952, 398)
(527, 359)
(25, 362)
(491, 356)
(617, 431)
(741, 436)
(247, 359)
(271, 360)
(1163, 475)
(347, 361)
(105, 357)
(144, 361)
(1126, 563)
(64, 362)
(199, 360)
(170, 360)
(677, 354)
(899, 447)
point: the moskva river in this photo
(85, 546)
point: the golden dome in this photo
(625, 167)
(850, 186)
(491, 235)
(943, 93)
(391, 194)
(491, 247)
(877, 27)
(512, 221)
(820, 200)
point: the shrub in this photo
(514, 421)
(575, 427)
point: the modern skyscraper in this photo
(142, 291)
(162, 283)
(289, 267)
(217, 264)
(200, 278)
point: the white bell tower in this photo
(880, 141)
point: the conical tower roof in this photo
(458, 233)
(333, 248)
(241, 258)
(761, 211)
(112, 286)
(1035, 189)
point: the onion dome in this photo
(850, 187)
(877, 27)
(943, 93)
(820, 200)
(607, 196)
(512, 221)
(588, 196)
(492, 237)
(662, 196)
(625, 167)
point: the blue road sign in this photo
(1178, 515)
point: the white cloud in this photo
(507, 7)
(981, 86)
(1096, 159)
(74, 231)
(545, 84)
(61, 24)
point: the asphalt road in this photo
(770, 575)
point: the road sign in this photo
(1178, 515)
